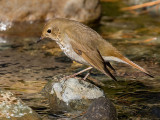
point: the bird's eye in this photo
(49, 31)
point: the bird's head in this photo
(54, 28)
(51, 30)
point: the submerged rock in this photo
(72, 94)
(34, 10)
(13, 108)
(155, 111)
(101, 109)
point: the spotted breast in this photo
(68, 50)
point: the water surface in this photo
(25, 66)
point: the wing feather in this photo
(84, 46)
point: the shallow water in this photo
(25, 66)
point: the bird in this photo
(84, 45)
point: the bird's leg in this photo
(85, 77)
(81, 71)
(75, 74)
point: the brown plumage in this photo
(85, 45)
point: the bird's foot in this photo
(85, 77)
(69, 76)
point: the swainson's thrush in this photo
(84, 45)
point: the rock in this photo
(101, 109)
(34, 10)
(155, 111)
(12, 108)
(72, 94)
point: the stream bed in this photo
(26, 66)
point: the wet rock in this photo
(101, 109)
(155, 111)
(15, 109)
(33, 10)
(72, 94)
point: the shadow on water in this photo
(25, 67)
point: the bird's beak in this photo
(40, 39)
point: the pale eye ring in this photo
(49, 31)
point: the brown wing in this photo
(83, 46)
(94, 58)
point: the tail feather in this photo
(135, 66)
(108, 73)
(110, 66)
